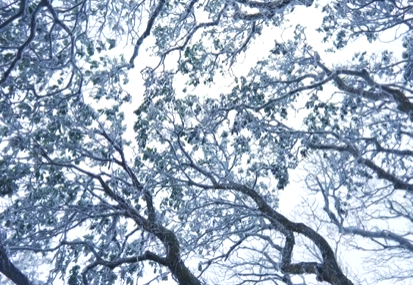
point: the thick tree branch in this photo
(22, 48)
(384, 92)
(328, 271)
(147, 32)
(381, 173)
(8, 269)
(20, 13)
(172, 247)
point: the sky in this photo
(289, 198)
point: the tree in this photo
(199, 183)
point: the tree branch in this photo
(9, 270)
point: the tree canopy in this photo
(186, 187)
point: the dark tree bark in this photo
(8, 269)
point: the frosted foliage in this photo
(160, 141)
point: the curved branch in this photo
(385, 92)
(381, 173)
(147, 32)
(328, 271)
(22, 48)
(22, 8)
(8, 269)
